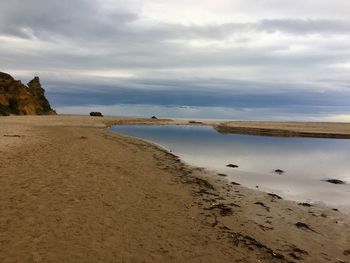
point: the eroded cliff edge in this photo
(19, 99)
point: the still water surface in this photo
(306, 161)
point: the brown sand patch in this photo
(73, 192)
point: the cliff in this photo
(19, 99)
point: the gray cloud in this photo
(66, 18)
(305, 26)
(88, 43)
(82, 20)
(187, 94)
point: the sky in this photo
(237, 59)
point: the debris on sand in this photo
(274, 195)
(14, 135)
(206, 192)
(223, 175)
(297, 253)
(263, 205)
(201, 182)
(303, 226)
(305, 204)
(232, 165)
(224, 209)
(251, 243)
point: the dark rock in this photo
(154, 118)
(195, 122)
(279, 171)
(334, 181)
(232, 165)
(96, 114)
(305, 204)
(234, 183)
(223, 175)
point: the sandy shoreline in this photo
(74, 192)
(335, 130)
(287, 129)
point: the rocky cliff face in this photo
(19, 99)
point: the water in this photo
(306, 161)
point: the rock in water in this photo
(19, 99)
(279, 171)
(335, 181)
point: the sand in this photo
(71, 191)
(287, 129)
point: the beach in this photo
(72, 191)
(287, 129)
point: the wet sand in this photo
(287, 129)
(71, 191)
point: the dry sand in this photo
(73, 192)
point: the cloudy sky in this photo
(239, 59)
